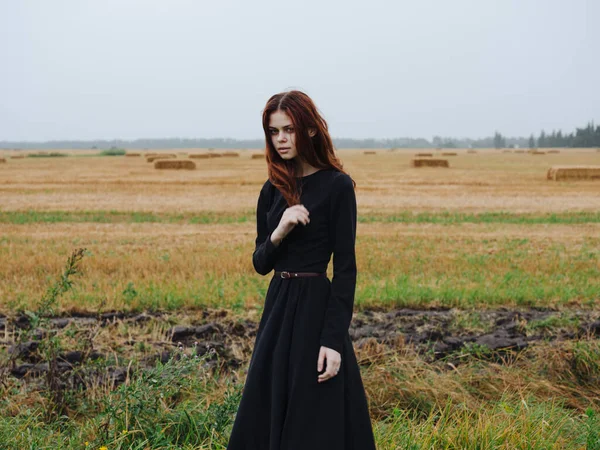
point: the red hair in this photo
(317, 151)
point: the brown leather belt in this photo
(285, 274)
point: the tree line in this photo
(588, 136)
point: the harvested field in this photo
(476, 304)
(215, 155)
(506, 151)
(17, 157)
(560, 173)
(2, 160)
(449, 154)
(258, 156)
(181, 164)
(519, 151)
(369, 152)
(553, 151)
(429, 162)
(199, 156)
(471, 151)
(231, 155)
(160, 156)
(421, 155)
(133, 154)
(537, 152)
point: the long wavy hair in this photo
(317, 150)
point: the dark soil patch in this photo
(226, 341)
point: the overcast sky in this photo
(87, 69)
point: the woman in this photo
(303, 390)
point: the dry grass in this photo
(559, 173)
(181, 164)
(148, 254)
(429, 162)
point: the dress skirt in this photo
(283, 407)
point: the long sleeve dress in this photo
(283, 406)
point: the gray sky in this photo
(86, 69)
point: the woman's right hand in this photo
(291, 217)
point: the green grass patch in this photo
(32, 216)
(47, 155)
(113, 152)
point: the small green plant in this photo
(158, 404)
(476, 350)
(113, 151)
(49, 346)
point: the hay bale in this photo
(160, 156)
(180, 164)
(553, 151)
(428, 162)
(423, 154)
(214, 155)
(369, 152)
(231, 155)
(199, 156)
(537, 152)
(258, 156)
(520, 151)
(559, 173)
(17, 157)
(449, 154)
(2, 160)
(133, 154)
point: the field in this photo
(475, 316)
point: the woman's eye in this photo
(273, 132)
(289, 130)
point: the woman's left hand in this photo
(334, 361)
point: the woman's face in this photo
(283, 135)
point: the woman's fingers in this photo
(332, 370)
(328, 374)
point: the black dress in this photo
(283, 407)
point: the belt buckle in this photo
(285, 274)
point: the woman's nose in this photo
(281, 137)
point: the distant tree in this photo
(542, 140)
(499, 140)
(531, 141)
